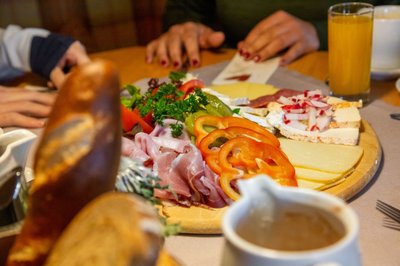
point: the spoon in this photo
(398, 85)
(10, 186)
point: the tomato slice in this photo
(189, 86)
(132, 117)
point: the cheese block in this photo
(194, 219)
(323, 157)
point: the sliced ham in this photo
(130, 149)
(162, 167)
(179, 165)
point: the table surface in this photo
(378, 245)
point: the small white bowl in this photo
(14, 147)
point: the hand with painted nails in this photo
(23, 108)
(280, 32)
(183, 42)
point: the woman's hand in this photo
(74, 56)
(276, 33)
(180, 40)
(23, 108)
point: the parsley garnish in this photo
(236, 111)
(176, 76)
(166, 103)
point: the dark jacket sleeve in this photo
(180, 11)
(46, 52)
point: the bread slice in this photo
(115, 229)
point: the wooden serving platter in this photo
(198, 220)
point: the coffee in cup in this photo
(282, 226)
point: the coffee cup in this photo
(282, 226)
(386, 38)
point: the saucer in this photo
(384, 74)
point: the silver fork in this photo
(390, 223)
(389, 211)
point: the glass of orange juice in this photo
(349, 48)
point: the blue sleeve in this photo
(47, 51)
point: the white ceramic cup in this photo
(262, 191)
(386, 38)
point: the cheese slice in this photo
(316, 185)
(323, 157)
(245, 89)
(317, 176)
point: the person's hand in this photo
(188, 37)
(23, 108)
(276, 33)
(75, 55)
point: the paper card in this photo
(241, 70)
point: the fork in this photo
(388, 210)
(390, 223)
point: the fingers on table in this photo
(170, 46)
(24, 113)
(277, 33)
(20, 120)
(19, 95)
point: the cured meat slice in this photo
(263, 101)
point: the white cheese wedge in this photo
(323, 157)
(262, 121)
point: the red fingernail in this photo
(195, 62)
(257, 58)
(163, 62)
(246, 55)
(241, 52)
(176, 64)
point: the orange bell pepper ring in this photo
(250, 158)
(229, 121)
(206, 144)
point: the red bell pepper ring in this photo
(130, 118)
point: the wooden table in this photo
(378, 245)
(131, 64)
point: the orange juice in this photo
(350, 44)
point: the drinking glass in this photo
(350, 46)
